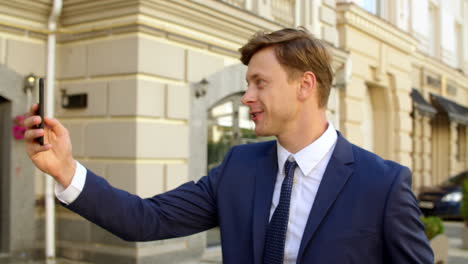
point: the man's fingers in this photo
(32, 121)
(33, 109)
(55, 125)
(33, 149)
(32, 134)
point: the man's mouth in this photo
(255, 115)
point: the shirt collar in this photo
(308, 157)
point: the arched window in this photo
(229, 124)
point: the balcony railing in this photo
(281, 11)
(238, 3)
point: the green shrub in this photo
(433, 225)
(464, 205)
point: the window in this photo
(458, 58)
(388, 10)
(404, 15)
(434, 44)
(370, 5)
(229, 124)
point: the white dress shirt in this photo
(312, 162)
(68, 195)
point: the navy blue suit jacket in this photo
(364, 211)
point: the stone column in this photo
(453, 148)
(351, 110)
(308, 15)
(403, 124)
(426, 151)
(417, 151)
(328, 21)
(465, 165)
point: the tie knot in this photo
(290, 165)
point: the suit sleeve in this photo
(186, 210)
(405, 240)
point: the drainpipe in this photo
(49, 112)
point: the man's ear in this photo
(308, 84)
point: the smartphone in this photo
(40, 110)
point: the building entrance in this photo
(5, 138)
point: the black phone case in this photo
(40, 110)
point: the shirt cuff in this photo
(68, 195)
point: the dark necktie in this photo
(276, 231)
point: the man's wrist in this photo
(70, 194)
(66, 176)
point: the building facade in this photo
(409, 47)
(163, 82)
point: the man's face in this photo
(271, 98)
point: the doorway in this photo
(440, 148)
(378, 121)
(5, 138)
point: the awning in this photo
(455, 111)
(421, 105)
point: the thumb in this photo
(56, 126)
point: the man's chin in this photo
(262, 133)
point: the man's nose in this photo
(249, 97)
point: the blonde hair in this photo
(298, 52)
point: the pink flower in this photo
(18, 127)
(18, 132)
(20, 119)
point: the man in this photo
(310, 197)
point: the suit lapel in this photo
(265, 177)
(334, 179)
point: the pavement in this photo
(7, 260)
(212, 256)
(454, 231)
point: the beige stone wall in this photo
(386, 66)
(136, 69)
(134, 131)
(138, 104)
(327, 15)
(380, 57)
(137, 62)
(436, 167)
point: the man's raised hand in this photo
(55, 156)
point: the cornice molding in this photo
(339, 56)
(352, 15)
(213, 23)
(77, 12)
(436, 66)
(25, 17)
(34, 11)
(214, 18)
